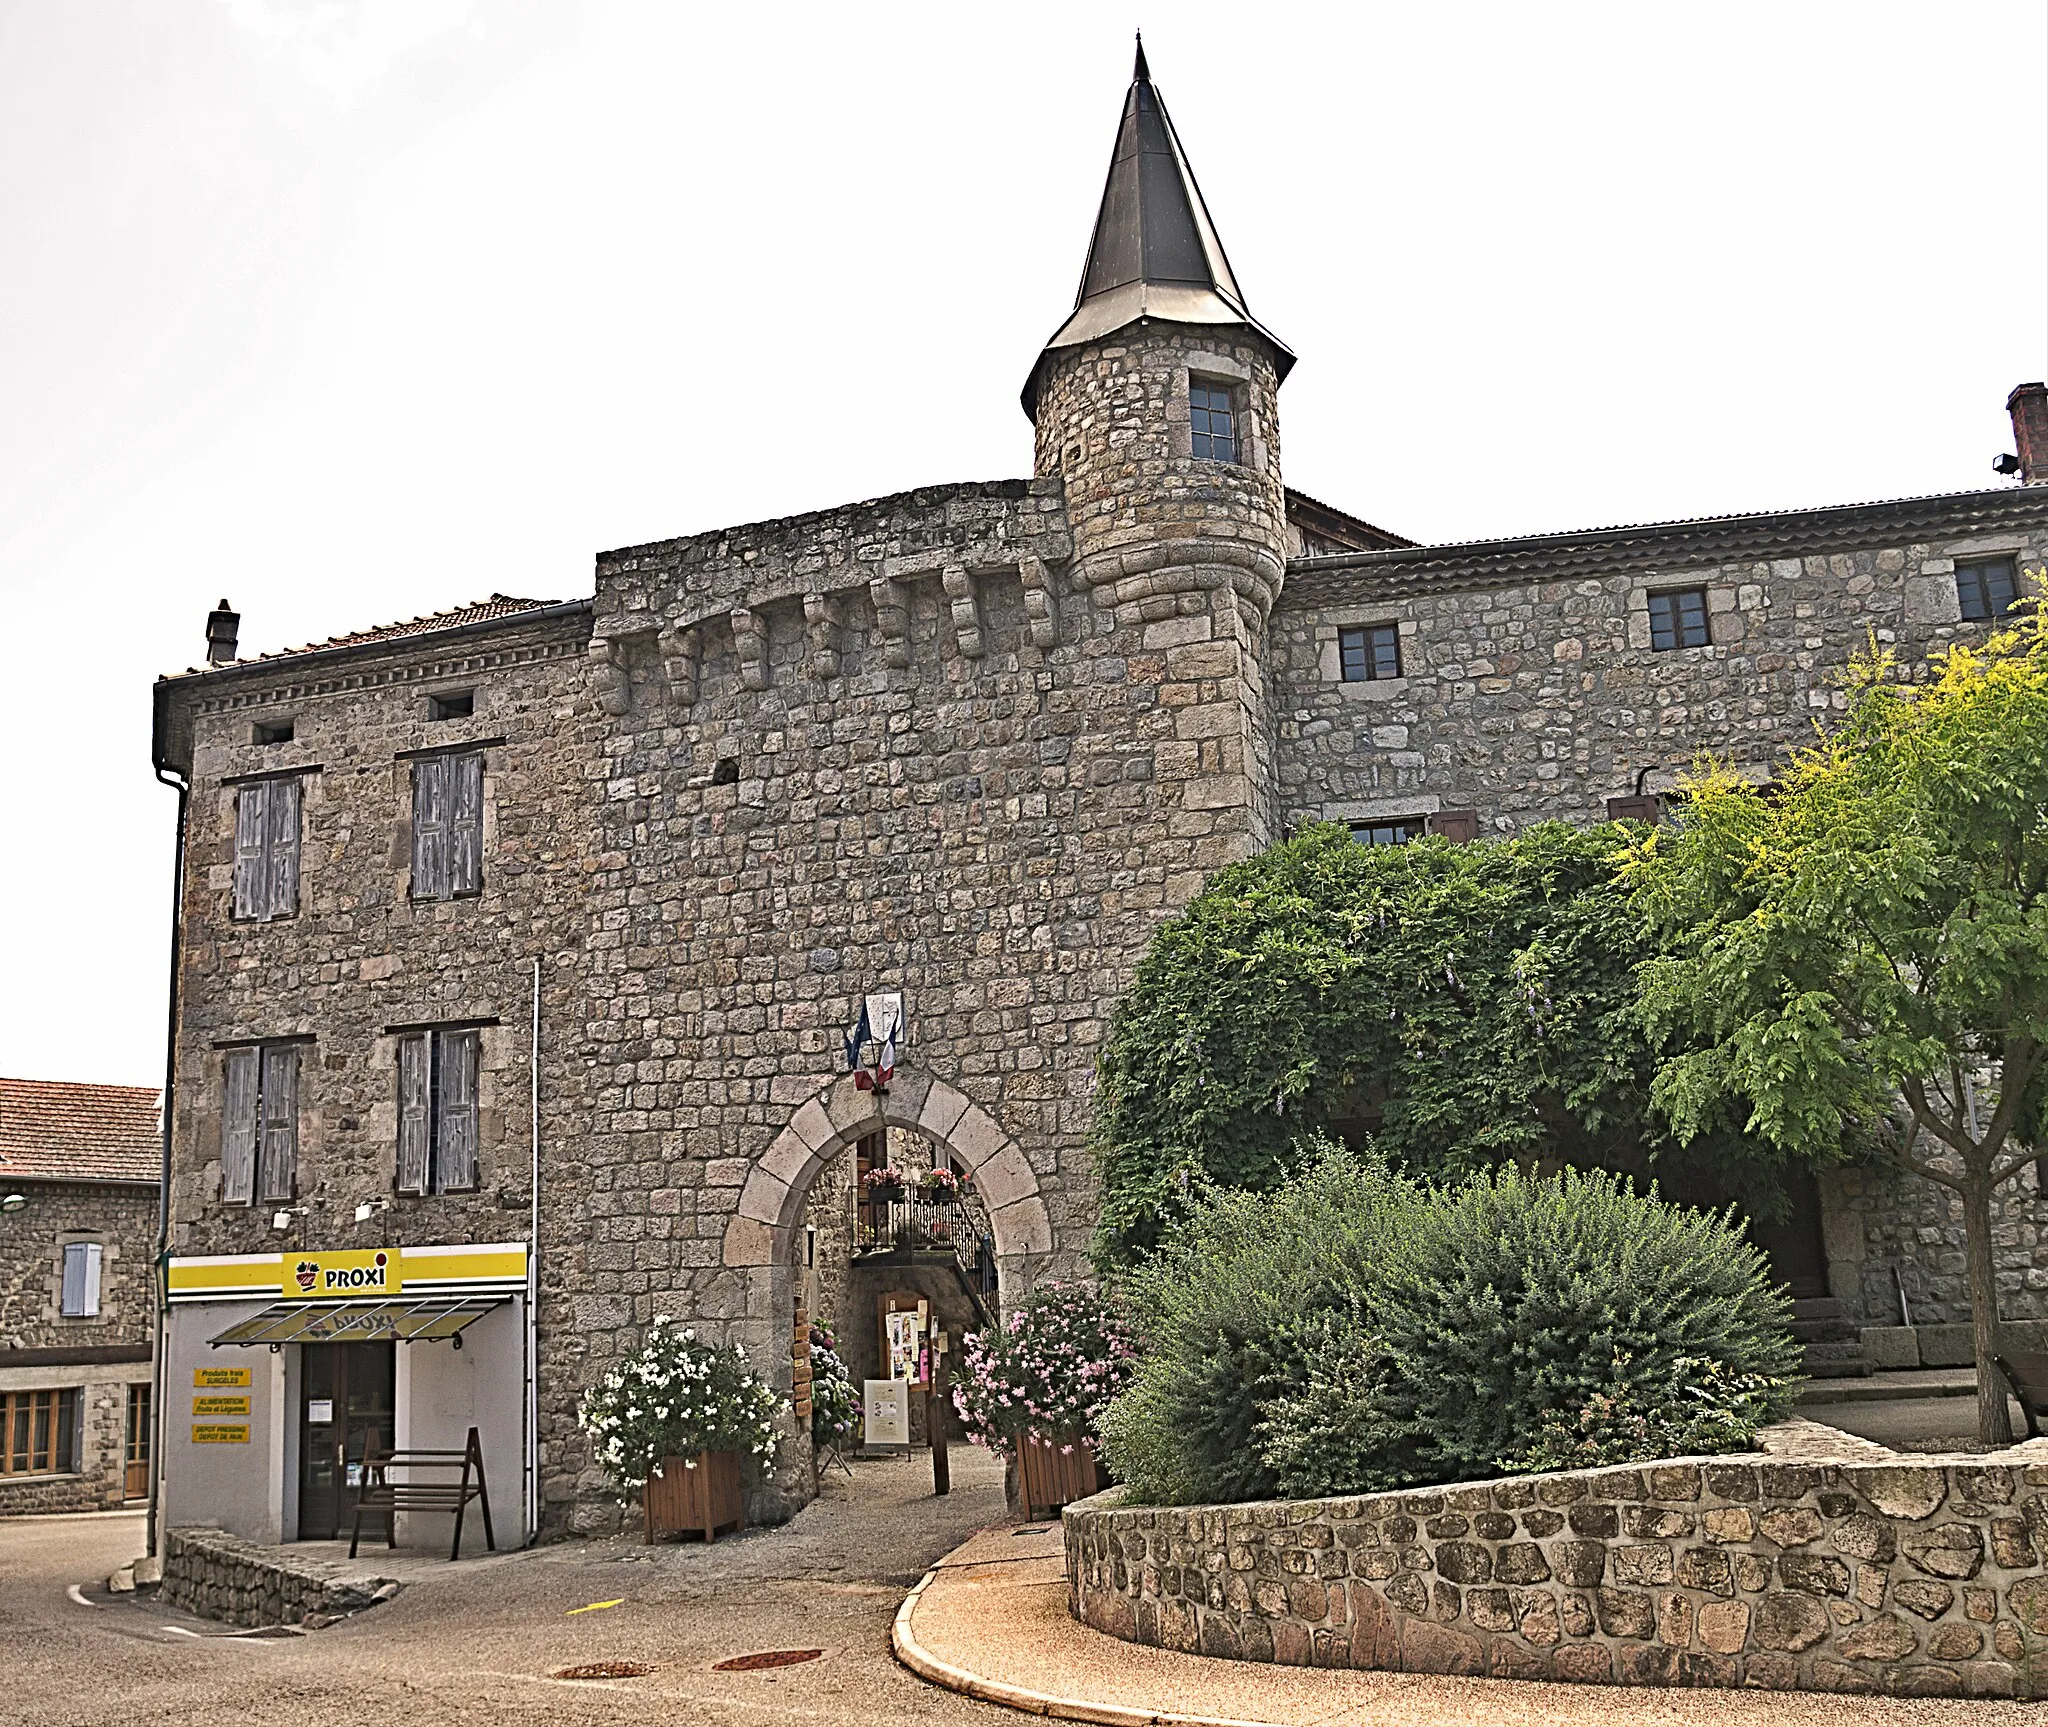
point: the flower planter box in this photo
(1050, 1476)
(682, 1500)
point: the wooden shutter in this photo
(72, 1305)
(278, 1154)
(282, 844)
(1648, 808)
(90, 1293)
(238, 1128)
(1459, 825)
(455, 1112)
(430, 828)
(413, 1114)
(465, 823)
(252, 832)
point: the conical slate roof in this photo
(1155, 252)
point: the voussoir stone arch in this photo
(760, 1236)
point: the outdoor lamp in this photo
(13, 1202)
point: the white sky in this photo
(350, 312)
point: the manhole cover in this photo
(603, 1670)
(765, 1658)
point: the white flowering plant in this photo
(1048, 1373)
(679, 1396)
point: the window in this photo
(137, 1483)
(1986, 588)
(1678, 619)
(437, 1115)
(81, 1291)
(1371, 652)
(267, 849)
(259, 1123)
(447, 826)
(1213, 417)
(37, 1432)
(1390, 831)
(280, 733)
(453, 705)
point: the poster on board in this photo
(906, 1344)
(885, 1412)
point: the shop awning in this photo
(426, 1320)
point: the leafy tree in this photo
(1860, 951)
(1461, 1005)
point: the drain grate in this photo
(765, 1658)
(603, 1670)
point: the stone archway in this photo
(760, 1238)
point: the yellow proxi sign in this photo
(220, 1406)
(220, 1376)
(358, 1271)
(220, 1433)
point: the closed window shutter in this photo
(278, 1157)
(73, 1305)
(252, 831)
(93, 1251)
(282, 863)
(238, 1129)
(430, 828)
(465, 823)
(455, 1125)
(413, 1115)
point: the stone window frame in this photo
(2021, 588)
(1217, 368)
(1931, 596)
(1724, 622)
(110, 1254)
(1330, 657)
(1368, 632)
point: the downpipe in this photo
(159, 1425)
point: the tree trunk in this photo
(1994, 1419)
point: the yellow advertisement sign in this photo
(220, 1433)
(220, 1406)
(358, 1272)
(220, 1376)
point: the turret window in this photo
(1212, 415)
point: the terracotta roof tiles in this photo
(52, 1130)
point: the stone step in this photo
(1827, 1331)
(1820, 1307)
(1836, 1360)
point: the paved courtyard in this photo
(476, 1641)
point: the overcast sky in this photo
(350, 312)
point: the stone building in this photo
(80, 1168)
(540, 925)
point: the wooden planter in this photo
(681, 1500)
(1049, 1477)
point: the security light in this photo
(282, 1220)
(13, 1202)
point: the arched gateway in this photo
(761, 1239)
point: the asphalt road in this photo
(477, 1641)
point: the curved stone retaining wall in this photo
(1921, 1579)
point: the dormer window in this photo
(1212, 415)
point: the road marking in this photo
(180, 1631)
(593, 1607)
(80, 1599)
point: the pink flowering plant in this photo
(939, 1183)
(1048, 1373)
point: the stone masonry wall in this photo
(223, 1577)
(121, 1217)
(1917, 1579)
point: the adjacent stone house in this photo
(518, 943)
(79, 1169)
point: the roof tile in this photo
(53, 1130)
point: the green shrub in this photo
(1235, 1309)
(1352, 1332)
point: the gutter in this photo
(163, 1200)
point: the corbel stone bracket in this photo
(1041, 607)
(679, 661)
(966, 615)
(892, 617)
(614, 689)
(750, 638)
(824, 633)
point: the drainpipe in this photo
(163, 1197)
(533, 1283)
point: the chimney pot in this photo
(2028, 405)
(222, 628)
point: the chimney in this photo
(2028, 406)
(222, 624)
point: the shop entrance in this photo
(345, 1412)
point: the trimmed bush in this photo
(1353, 1332)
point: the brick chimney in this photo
(222, 625)
(2028, 406)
